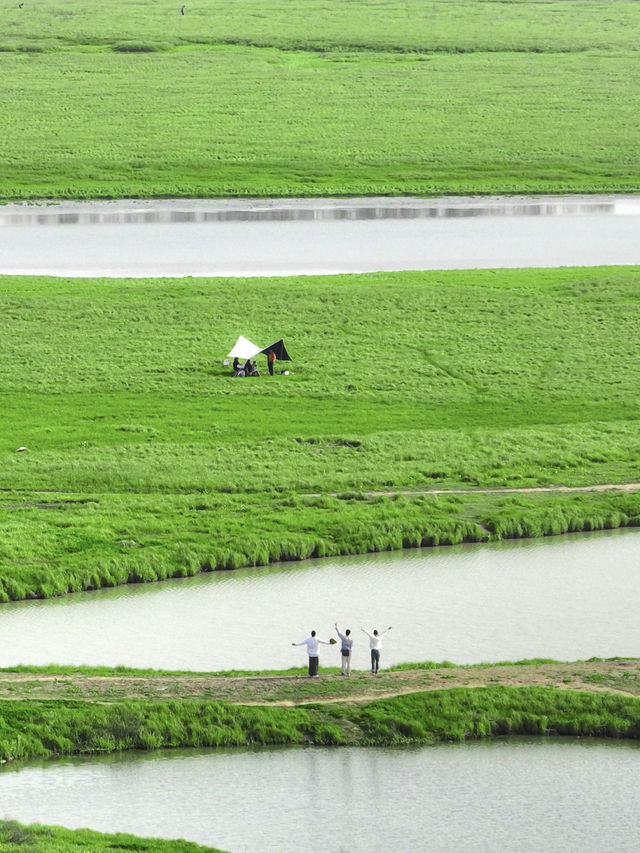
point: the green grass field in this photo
(43, 729)
(445, 96)
(146, 459)
(17, 838)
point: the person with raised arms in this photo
(311, 642)
(345, 650)
(375, 643)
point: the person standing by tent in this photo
(345, 650)
(311, 642)
(271, 359)
(375, 642)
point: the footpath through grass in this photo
(293, 687)
(444, 96)
(145, 459)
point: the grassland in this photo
(146, 459)
(16, 838)
(445, 96)
(41, 728)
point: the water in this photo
(567, 598)
(513, 795)
(296, 237)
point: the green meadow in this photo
(146, 459)
(446, 96)
(44, 729)
(17, 838)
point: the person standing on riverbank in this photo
(345, 650)
(311, 643)
(271, 358)
(375, 643)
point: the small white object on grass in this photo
(20, 449)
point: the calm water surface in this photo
(296, 237)
(502, 796)
(568, 598)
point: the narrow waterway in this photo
(567, 598)
(312, 236)
(513, 795)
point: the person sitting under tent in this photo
(244, 349)
(249, 368)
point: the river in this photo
(567, 597)
(515, 795)
(313, 236)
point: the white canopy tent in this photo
(244, 349)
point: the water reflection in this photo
(468, 604)
(512, 795)
(139, 212)
(315, 237)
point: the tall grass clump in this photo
(462, 713)
(524, 519)
(17, 838)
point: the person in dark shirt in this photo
(345, 650)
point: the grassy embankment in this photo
(33, 727)
(133, 99)
(146, 459)
(17, 838)
(47, 728)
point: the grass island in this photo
(145, 458)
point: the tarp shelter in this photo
(245, 349)
(280, 350)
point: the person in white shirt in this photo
(345, 650)
(375, 642)
(311, 643)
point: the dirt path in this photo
(619, 676)
(600, 487)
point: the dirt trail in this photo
(619, 676)
(600, 487)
